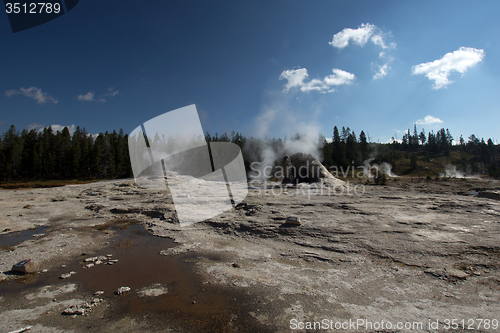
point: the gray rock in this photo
(122, 290)
(67, 275)
(74, 310)
(456, 273)
(82, 309)
(293, 220)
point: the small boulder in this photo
(25, 266)
(456, 273)
(122, 290)
(67, 275)
(293, 220)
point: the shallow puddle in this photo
(16, 237)
(189, 303)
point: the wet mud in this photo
(189, 304)
(16, 237)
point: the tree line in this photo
(475, 155)
(45, 155)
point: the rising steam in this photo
(450, 171)
(384, 168)
(281, 119)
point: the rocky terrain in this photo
(407, 252)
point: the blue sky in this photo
(261, 68)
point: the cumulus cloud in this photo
(457, 61)
(34, 93)
(361, 36)
(428, 120)
(296, 78)
(339, 77)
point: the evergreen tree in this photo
(363, 146)
(422, 137)
(415, 138)
(352, 150)
(339, 149)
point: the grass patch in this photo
(23, 185)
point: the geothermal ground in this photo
(414, 254)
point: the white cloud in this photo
(34, 93)
(296, 78)
(379, 39)
(112, 92)
(89, 97)
(59, 128)
(428, 120)
(382, 71)
(458, 61)
(339, 77)
(55, 127)
(361, 36)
